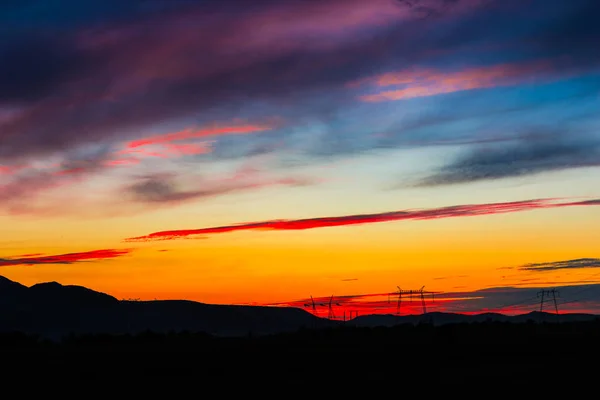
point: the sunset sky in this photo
(262, 152)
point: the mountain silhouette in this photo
(55, 294)
(54, 311)
(440, 318)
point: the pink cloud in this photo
(189, 133)
(188, 148)
(123, 161)
(12, 169)
(285, 28)
(430, 82)
(168, 145)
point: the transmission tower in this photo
(423, 299)
(420, 292)
(312, 305)
(545, 292)
(331, 314)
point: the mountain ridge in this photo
(53, 310)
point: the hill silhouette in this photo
(441, 318)
(108, 342)
(54, 311)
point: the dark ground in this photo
(451, 356)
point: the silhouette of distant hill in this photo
(53, 310)
(440, 318)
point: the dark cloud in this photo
(153, 188)
(567, 264)
(168, 188)
(36, 66)
(527, 156)
(162, 188)
(101, 80)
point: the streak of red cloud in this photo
(69, 258)
(164, 150)
(11, 169)
(134, 155)
(312, 223)
(123, 161)
(431, 82)
(200, 133)
(188, 148)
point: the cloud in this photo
(430, 82)
(162, 188)
(114, 74)
(324, 222)
(69, 258)
(449, 277)
(188, 134)
(567, 264)
(531, 154)
(110, 79)
(27, 181)
(181, 143)
(26, 188)
(171, 188)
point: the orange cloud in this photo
(431, 82)
(68, 258)
(313, 223)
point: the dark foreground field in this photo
(461, 355)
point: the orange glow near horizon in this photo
(271, 267)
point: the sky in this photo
(264, 152)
